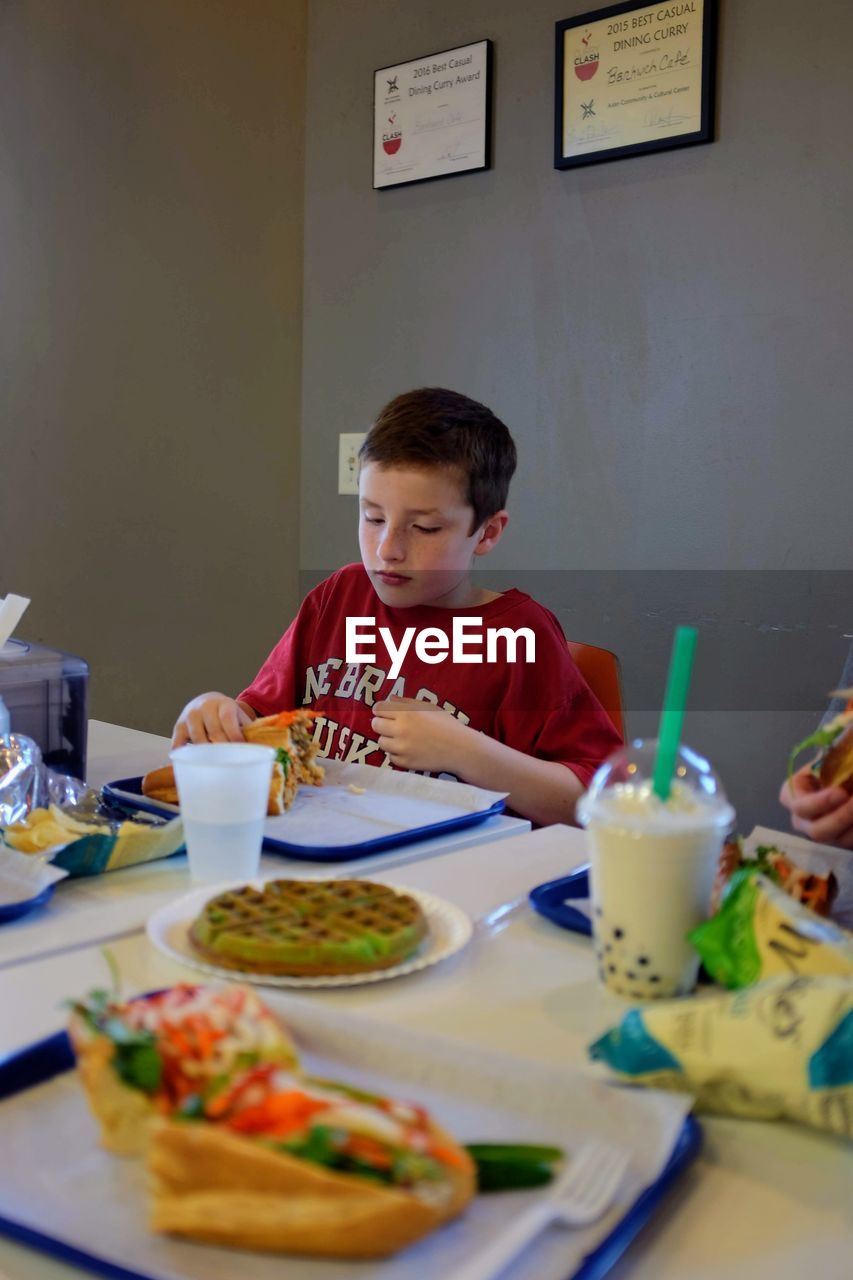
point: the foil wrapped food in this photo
(26, 783)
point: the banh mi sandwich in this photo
(291, 733)
(142, 1058)
(833, 766)
(275, 1161)
(815, 891)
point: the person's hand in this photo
(824, 814)
(211, 717)
(420, 735)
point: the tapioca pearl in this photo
(630, 975)
(644, 960)
(654, 977)
(611, 968)
(618, 934)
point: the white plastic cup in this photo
(223, 789)
(652, 868)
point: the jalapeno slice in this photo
(506, 1166)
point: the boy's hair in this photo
(433, 427)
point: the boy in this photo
(433, 482)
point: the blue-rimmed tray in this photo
(49, 1058)
(359, 811)
(14, 910)
(555, 900)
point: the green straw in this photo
(672, 716)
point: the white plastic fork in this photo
(583, 1193)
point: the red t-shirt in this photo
(544, 708)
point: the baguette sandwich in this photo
(279, 1162)
(290, 733)
(833, 766)
(815, 891)
(147, 1057)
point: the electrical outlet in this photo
(348, 447)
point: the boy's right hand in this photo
(824, 814)
(211, 717)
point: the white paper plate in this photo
(449, 931)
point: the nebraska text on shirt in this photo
(432, 644)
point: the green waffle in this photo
(305, 928)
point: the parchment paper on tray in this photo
(55, 1179)
(391, 801)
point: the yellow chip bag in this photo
(783, 1048)
(88, 848)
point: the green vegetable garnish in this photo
(136, 1059)
(523, 1152)
(320, 1145)
(513, 1166)
(759, 863)
(325, 1146)
(192, 1108)
(283, 758)
(139, 1064)
(821, 738)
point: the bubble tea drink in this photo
(652, 867)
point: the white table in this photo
(103, 908)
(765, 1201)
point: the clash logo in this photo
(586, 63)
(391, 141)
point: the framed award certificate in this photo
(432, 116)
(632, 78)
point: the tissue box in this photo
(47, 695)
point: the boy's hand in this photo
(211, 717)
(824, 814)
(420, 735)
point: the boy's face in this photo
(414, 532)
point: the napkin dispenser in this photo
(47, 692)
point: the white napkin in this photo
(12, 610)
(24, 875)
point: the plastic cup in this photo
(652, 868)
(223, 788)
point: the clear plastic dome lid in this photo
(623, 786)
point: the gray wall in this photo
(669, 338)
(151, 162)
